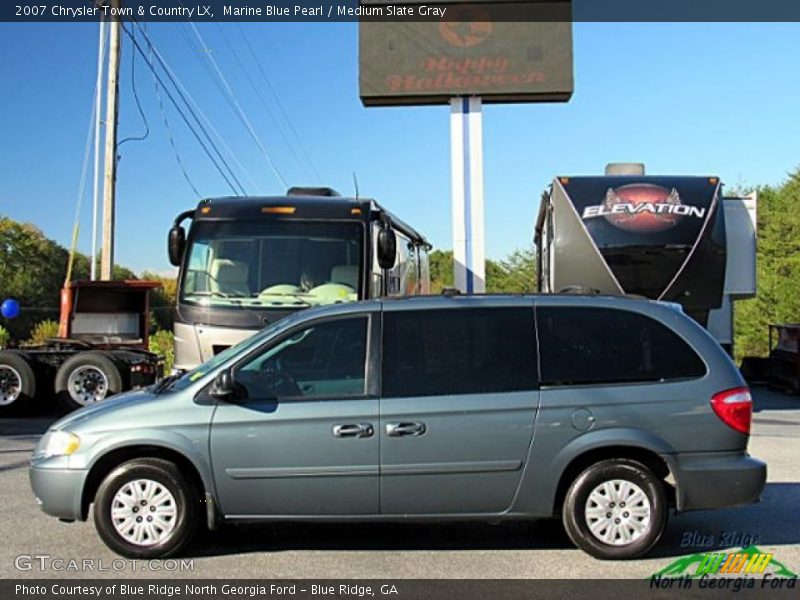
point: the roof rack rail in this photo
(579, 290)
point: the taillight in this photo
(735, 408)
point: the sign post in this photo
(466, 161)
(475, 52)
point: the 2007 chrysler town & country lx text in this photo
(607, 412)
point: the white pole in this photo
(110, 153)
(101, 51)
(466, 178)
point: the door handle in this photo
(356, 430)
(405, 429)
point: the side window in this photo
(463, 351)
(599, 345)
(325, 360)
(196, 276)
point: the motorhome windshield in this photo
(273, 263)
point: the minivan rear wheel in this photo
(145, 508)
(615, 509)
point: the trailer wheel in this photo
(87, 378)
(17, 381)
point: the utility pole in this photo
(110, 178)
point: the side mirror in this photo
(176, 241)
(387, 248)
(223, 386)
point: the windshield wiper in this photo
(290, 294)
(296, 297)
(218, 294)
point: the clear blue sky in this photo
(683, 98)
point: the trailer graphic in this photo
(643, 207)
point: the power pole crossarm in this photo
(110, 177)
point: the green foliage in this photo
(513, 275)
(441, 269)
(163, 342)
(42, 331)
(32, 270)
(162, 301)
(516, 274)
(778, 269)
(5, 337)
(31, 266)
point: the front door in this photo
(302, 439)
(458, 405)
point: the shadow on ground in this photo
(773, 522)
(766, 398)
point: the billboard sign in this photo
(469, 49)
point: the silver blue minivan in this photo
(607, 413)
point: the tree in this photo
(513, 275)
(162, 301)
(777, 271)
(516, 274)
(32, 270)
(441, 269)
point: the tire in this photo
(643, 522)
(178, 529)
(17, 382)
(87, 378)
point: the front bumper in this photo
(717, 480)
(58, 490)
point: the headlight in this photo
(61, 443)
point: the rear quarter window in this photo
(581, 346)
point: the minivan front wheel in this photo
(615, 509)
(145, 508)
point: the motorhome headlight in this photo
(61, 443)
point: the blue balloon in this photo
(10, 308)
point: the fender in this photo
(538, 489)
(177, 442)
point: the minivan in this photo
(607, 413)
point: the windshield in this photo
(273, 263)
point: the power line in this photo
(139, 138)
(228, 174)
(195, 110)
(82, 184)
(86, 152)
(192, 107)
(171, 138)
(278, 101)
(199, 110)
(260, 96)
(180, 111)
(238, 107)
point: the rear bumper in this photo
(717, 480)
(58, 491)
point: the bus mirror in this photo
(387, 248)
(175, 245)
